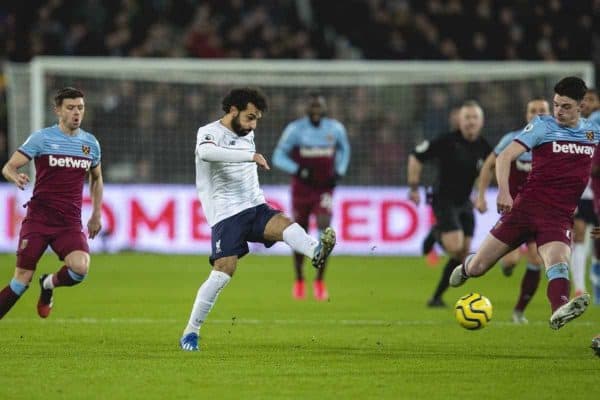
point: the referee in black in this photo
(459, 155)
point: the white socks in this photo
(48, 283)
(297, 238)
(205, 299)
(578, 259)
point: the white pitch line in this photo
(236, 321)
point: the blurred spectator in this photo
(153, 126)
(372, 29)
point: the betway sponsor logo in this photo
(69, 162)
(312, 152)
(573, 148)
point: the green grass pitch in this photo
(116, 336)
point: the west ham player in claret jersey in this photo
(519, 171)
(316, 152)
(562, 147)
(63, 155)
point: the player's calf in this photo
(10, 294)
(63, 277)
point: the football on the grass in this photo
(473, 311)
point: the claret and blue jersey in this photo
(323, 148)
(61, 162)
(520, 168)
(561, 162)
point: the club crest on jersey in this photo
(85, 149)
(528, 128)
(589, 135)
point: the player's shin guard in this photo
(300, 241)
(559, 286)
(529, 285)
(10, 294)
(66, 277)
(205, 300)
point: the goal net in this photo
(145, 112)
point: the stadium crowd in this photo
(371, 29)
(296, 29)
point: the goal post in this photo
(145, 112)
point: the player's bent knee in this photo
(275, 227)
(227, 265)
(78, 262)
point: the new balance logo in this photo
(69, 162)
(573, 148)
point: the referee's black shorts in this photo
(454, 217)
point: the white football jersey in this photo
(226, 188)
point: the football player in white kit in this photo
(234, 204)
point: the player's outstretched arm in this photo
(210, 152)
(505, 158)
(11, 170)
(484, 180)
(96, 191)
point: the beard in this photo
(237, 127)
(315, 119)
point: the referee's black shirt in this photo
(459, 162)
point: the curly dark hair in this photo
(66, 93)
(572, 87)
(240, 97)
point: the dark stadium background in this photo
(303, 29)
